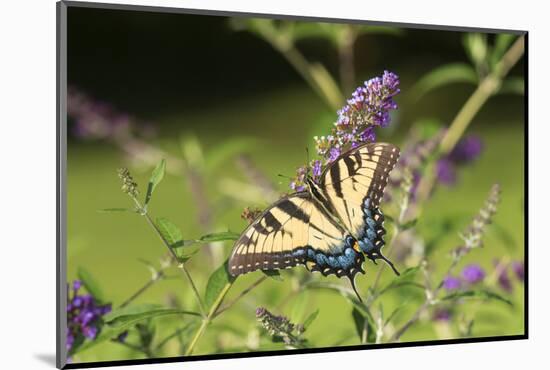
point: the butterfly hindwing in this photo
(296, 230)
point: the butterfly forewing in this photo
(360, 173)
(294, 222)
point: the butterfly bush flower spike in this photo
(368, 107)
(279, 326)
(466, 151)
(84, 316)
(474, 234)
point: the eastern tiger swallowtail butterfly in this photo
(331, 226)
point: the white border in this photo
(28, 180)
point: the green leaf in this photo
(91, 284)
(274, 274)
(220, 154)
(394, 313)
(479, 294)
(309, 320)
(219, 281)
(113, 210)
(444, 75)
(216, 237)
(125, 318)
(379, 30)
(156, 178)
(347, 293)
(170, 232)
(406, 275)
(512, 85)
(502, 43)
(476, 48)
(409, 224)
(133, 314)
(503, 235)
(363, 327)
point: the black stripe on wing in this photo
(296, 230)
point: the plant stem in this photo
(159, 275)
(486, 88)
(242, 294)
(429, 302)
(346, 57)
(207, 319)
(174, 256)
(315, 75)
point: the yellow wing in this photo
(295, 230)
(360, 174)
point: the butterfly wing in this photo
(295, 230)
(354, 185)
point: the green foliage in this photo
(121, 320)
(477, 294)
(310, 319)
(156, 178)
(91, 284)
(442, 76)
(513, 85)
(133, 314)
(476, 48)
(218, 283)
(217, 237)
(170, 232)
(502, 43)
(364, 326)
(219, 155)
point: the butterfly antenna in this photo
(352, 282)
(382, 257)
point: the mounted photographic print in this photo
(236, 185)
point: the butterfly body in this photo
(331, 227)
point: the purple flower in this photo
(466, 150)
(84, 316)
(77, 284)
(519, 270)
(442, 314)
(445, 170)
(451, 283)
(334, 153)
(473, 274)
(503, 279)
(316, 169)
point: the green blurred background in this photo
(199, 85)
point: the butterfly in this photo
(331, 226)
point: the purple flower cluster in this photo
(464, 152)
(417, 150)
(84, 316)
(95, 119)
(279, 326)
(470, 275)
(368, 107)
(503, 277)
